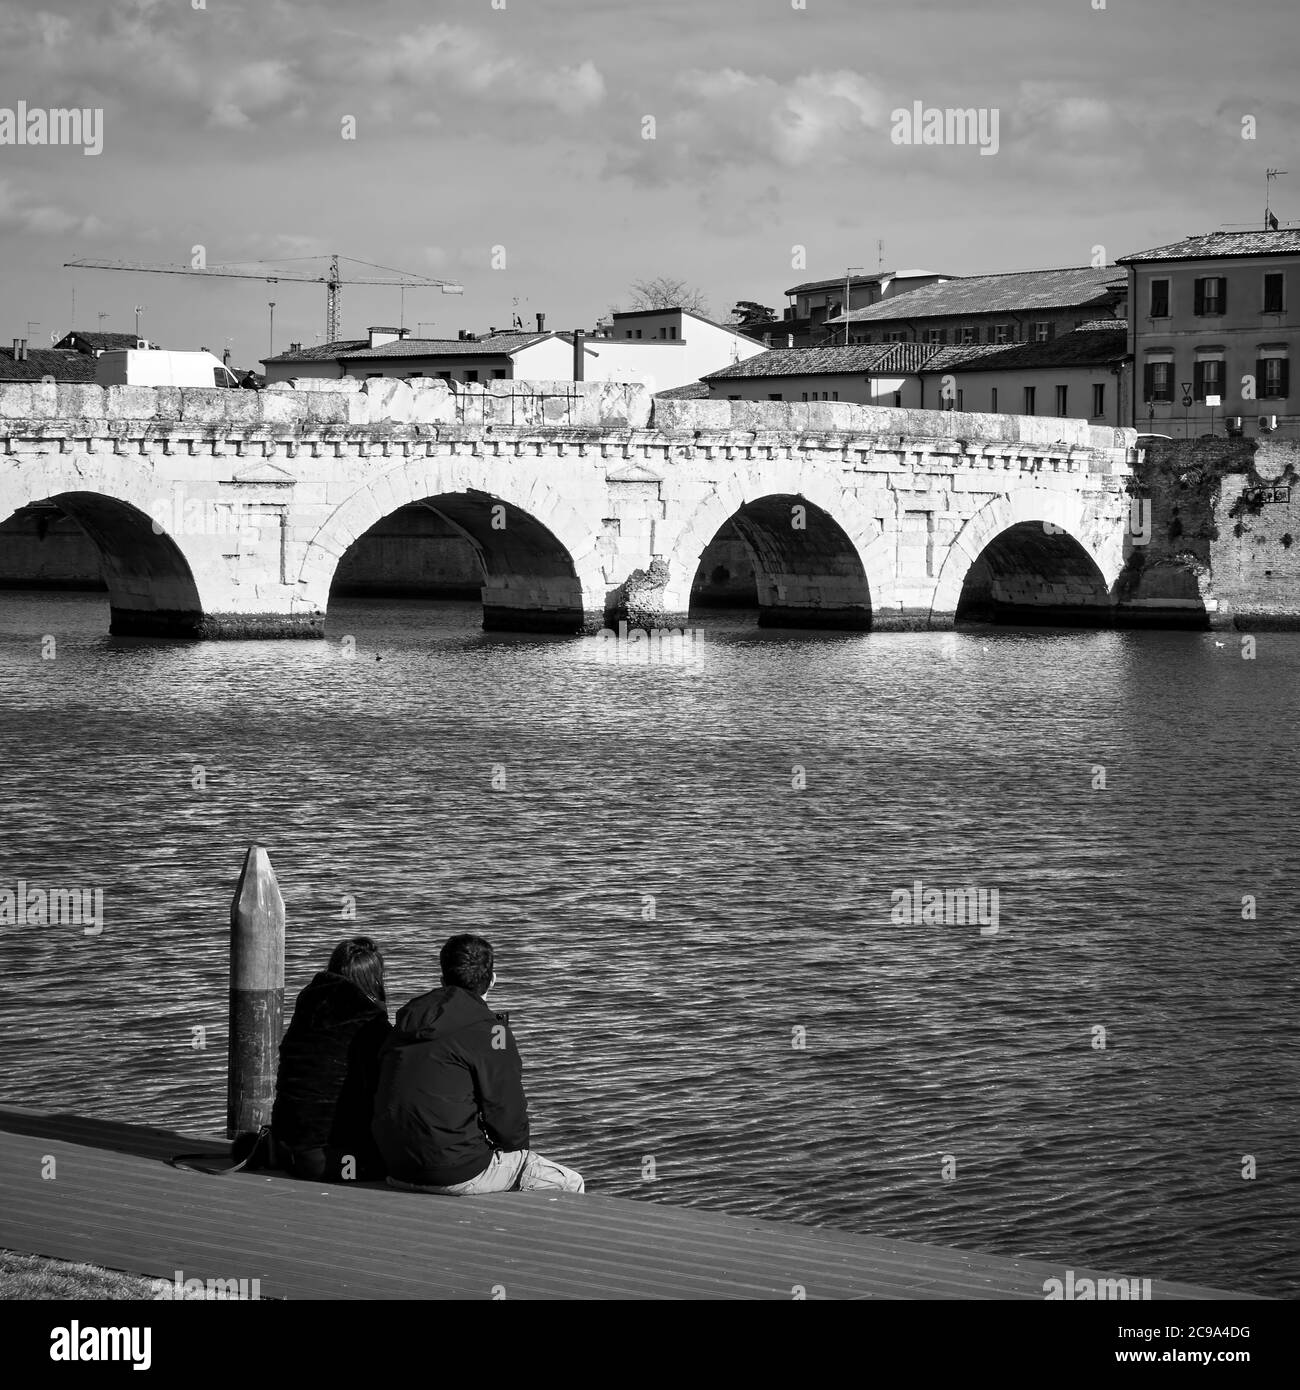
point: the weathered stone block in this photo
(81, 401)
(15, 400)
(135, 402)
(673, 416)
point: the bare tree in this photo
(663, 292)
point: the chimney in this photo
(225, 357)
(767, 340)
(578, 360)
(462, 335)
(20, 349)
(541, 323)
(293, 347)
(380, 336)
(491, 330)
(789, 340)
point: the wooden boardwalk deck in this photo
(115, 1202)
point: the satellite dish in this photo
(55, 335)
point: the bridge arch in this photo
(152, 586)
(541, 570)
(834, 572)
(1031, 550)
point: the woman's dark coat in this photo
(329, 1068)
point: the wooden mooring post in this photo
(256, 995)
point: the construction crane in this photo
(331, 278)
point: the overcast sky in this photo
(522, 127)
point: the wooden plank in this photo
(114, 1202)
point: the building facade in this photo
(1083, 374)
(1029, 306)
(813, 304)
(658, 348)
(1216, 316)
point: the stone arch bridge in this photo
(227, 513)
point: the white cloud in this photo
(19, 212)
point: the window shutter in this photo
(1051, 329)
(1198, 381)
(1223, 294)
(1259, 378)
(1149, 381)
(1284, 385)
(1199, 306)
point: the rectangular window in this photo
(1043, 331)
(803, 396)
(374, 376)
(835, 395)
(776, 396)
(663, 331)
(638, 333)
(471, 376)
(672, 332)
(969, 334)
(627, 333)
(498, 373)
(410, 376)
(1098, 399)
(1029, 400)
(1207, 378)
(1160, 299)
(936, 335)
(1275, 294)
(898, 399)
(733, 398)
(993, 404)
(1274, 377)
(961, 399)
(1211, 295)
(1158, 381)
(1062, 398)
(444, 376)
(1003, 333)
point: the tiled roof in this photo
(61, 365)
(322, 352)
(1193, 248)
(692, 391)
(838, 282)
(1014, 292)
(97, 342)
(490, 345)
(859, 357)
(1080, 348)
(1084, 347)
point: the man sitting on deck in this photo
(450, 1114)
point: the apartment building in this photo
(1214, 328)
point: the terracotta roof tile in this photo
(1192, 248)
(1013, 292)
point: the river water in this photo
(715, 1000)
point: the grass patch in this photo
(35, 1277)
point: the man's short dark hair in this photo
(466, 960)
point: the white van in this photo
(154, 367)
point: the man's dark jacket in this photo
(329, 1068)
(450, 1090)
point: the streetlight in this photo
(848, 270)
(271, 338)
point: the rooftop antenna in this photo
(880, 255)
(1270, 222)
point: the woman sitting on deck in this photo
(325, 1088)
